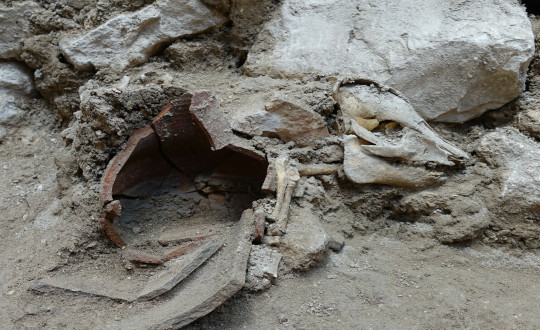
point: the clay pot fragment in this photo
(190, 144)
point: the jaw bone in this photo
(361, 167)
(365, 104)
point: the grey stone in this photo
(452, 59)
(14, 27)
(518, 159)
(17, 78)
(331, 154)
(263, 267)
(305, 243)
(129, 39)
(449, 228)
(282, 119)
(336, 242)
(3, 133)
(16, 85)
(528, 120)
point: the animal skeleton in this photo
(365, 106)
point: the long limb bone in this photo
(288, 174)
(280, 227)
(318, 169)
(287, 177)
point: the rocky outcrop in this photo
(14, 27)
(452, 60)
(129, 39)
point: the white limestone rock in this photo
(129, 39)
(14, 27)
(453, 60)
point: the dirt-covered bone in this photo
(366, 104)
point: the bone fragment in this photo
(287, 177)
(413, 147)
(285, 173)
(361, 167)
(371, 100)
(318, 169)
(350, 126)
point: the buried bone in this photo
(286, 176)
(365, 103)
(361, 167)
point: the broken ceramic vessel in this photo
(371, 114)
(179, 196)
(190, 155)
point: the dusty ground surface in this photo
(393, 272)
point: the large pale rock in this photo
(14, 27)
(452, 59)
(129, 39)
(16, 84)
(518, 159)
